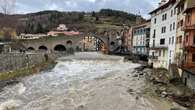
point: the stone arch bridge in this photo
(65, 43)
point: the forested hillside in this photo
(42, 22)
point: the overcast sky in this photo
(133, 6)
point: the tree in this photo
(39, 28)
(93, 14)
(7, 6)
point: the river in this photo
(85, 81)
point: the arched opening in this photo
(60, 48)
(43, 48)
(31, 49)
(112, 43)
(69, 42)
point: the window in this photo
(193, 57)
(153, 43)
(162, 41)
(170, 27)
(163, 30)
(174, 26)
(164, 17)
(175, 10)
(194, 40)
(154, 20)
(180, 39)
(181, 23)
(173, 40)
(154, 33)
(171, 13)
(169, 40)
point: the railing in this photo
(153, 57)
(188, 27)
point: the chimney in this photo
(162, 2)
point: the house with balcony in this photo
(189, 41)
(141, 38)
(180, 32)
(163, 34)
(186, 41)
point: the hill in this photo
(42, 22)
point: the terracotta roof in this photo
(164, 6)
(145, 24)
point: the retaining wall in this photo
(15, 61)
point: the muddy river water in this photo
(84, 81)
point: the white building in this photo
(62, 27)
(163, 34)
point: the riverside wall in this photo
(15, 61)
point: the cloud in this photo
(133, 6)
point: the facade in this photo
(180, 33)
(141, 38)
(189, 40)
(163, 34)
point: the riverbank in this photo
(25, 65)
(172, 91)
(11, 77)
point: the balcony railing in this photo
(153, 57)
(192, 27)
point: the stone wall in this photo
(189, 80)
(14, 61)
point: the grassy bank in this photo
(26, 71)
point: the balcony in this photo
(153, 57)
(187, 65)
(159, 47)
(192, 27)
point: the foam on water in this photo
(10, 105)
(39, 91)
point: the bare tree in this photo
(7, 6)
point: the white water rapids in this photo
(85, 81)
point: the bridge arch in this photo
(69, 42)
(60, 48)
(31, 49)
(43, 48)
